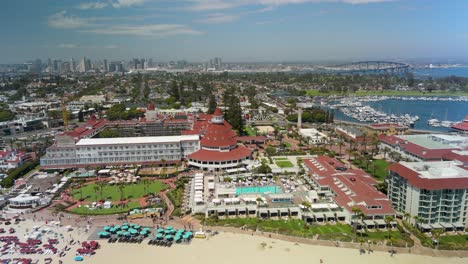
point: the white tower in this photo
(299, 118)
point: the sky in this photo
(235, 30)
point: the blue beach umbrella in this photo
(168, 237)
(160, 230)
(79, 258)
(159, 236)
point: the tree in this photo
(121, 190)
(357, 212)
(212, 104)
(388, 219)
(341, 142)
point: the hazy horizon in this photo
(235, 30)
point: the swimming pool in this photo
(258, 189)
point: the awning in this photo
(437, 226)
(369, 222)
(380, 222)
(458, 225)
(425, 226)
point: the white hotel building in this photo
(435, 192)
(118, 151)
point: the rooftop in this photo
(432, 141)
(437, 170)
(135, 140)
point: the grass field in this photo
(377, 168)
(91, 192)
(281, 158)
(284, 164)
(288, 227)
(112, 210)
(459, 242)
(340, 232)
(388, 93)
(249, 131)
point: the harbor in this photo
(436, 114)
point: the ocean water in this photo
(442, 110)
(441, 72)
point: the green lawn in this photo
(281, 158)
(249, 131)
(458, 242)
(387, 93)
(377, 168)
(284, 164)
(91, 192)
(397, 238)
(289, 227)
(113, 210)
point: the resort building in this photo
(219, 149)
(313, 136)
(430, 147)
(351, 133)
(205, 141)
(93, 152)
(350, 189)
(436, 193)
(388, 128)
(11, 159)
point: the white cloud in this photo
(92, 5)
(218, 18)
(111, 46)
(62, 20)
(127, 3)
(157, 30)
(67, 46)
(205, 5)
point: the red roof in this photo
(417, 150)
(219, 135)
(352, 188)
(209, 155)
(217, 112)
(260, 139)
(456, 156)
(463, 126)
(414, 179)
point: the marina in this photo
(424, 113)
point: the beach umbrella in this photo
(168, 237)
(159, 236)
(112, 230)
(181, 230)
(169, 227)
(124, 227)
(107, 228)
(133, 231)
(119, 233)
(127, 234)
(189, 233)
(136, 226)
(117, 227)
(143, 233)
(147, 229)
(185, 236)
(79, 258)
(177, 239)
(160, 230)
(125, 224)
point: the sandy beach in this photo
(229, 248)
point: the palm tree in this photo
(357, 212)
(145, 186)
(388, 220)
(121, 190)
(416, 219)
(341, 142)
(96, 189)
(406, 215)
(375, 143)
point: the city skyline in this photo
(237, 31)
